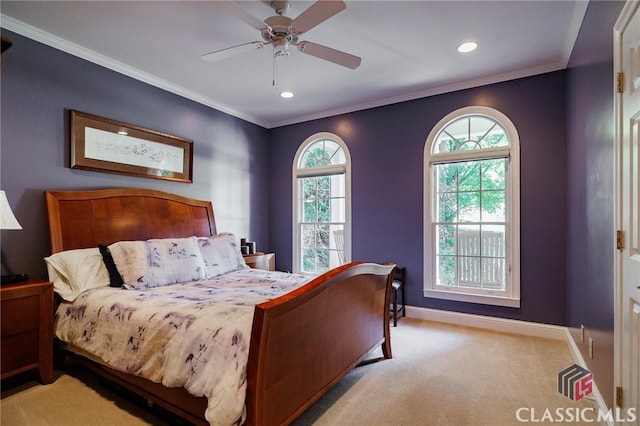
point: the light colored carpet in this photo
(440, 375)
(76, 398)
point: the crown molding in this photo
(107, 62)
(468, 84)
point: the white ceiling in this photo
(408, 49)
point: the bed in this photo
(301, 342)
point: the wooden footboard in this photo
(302, 343)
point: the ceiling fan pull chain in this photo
(274, 70)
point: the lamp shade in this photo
(7, 219)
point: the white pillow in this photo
(221, 254)
(159, 262)
(74, 271)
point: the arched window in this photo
(321, 204)
(471, 200)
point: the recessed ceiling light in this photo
(286, 95)
(468, 46)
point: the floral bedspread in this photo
(192, 335)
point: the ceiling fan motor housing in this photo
(279, 29)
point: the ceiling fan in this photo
(281, 32)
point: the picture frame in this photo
(104, 145)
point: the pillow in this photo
(115, 279)
(74, 271)
(154, 263)
(221, 254)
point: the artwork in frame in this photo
(104, 145)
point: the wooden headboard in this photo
(86, 218)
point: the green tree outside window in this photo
(323, 200)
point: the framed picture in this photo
(104, 145)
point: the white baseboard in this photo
(490, 323)
(579, 359)
(503, 325)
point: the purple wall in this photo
(40, 85)
(590, 195)
(386, 146)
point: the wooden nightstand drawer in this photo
(19, 351)
(27, 328)
(19, 315)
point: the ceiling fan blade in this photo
(239, 12)
(232, 51)
(329, 54)
(317, 13)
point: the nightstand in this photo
(26, 313)
(261, 260)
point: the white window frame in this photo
(511, 296)
(319, 171)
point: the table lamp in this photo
(8, 221)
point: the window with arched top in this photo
(321, 204)
(471, 199)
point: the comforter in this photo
(192, 335)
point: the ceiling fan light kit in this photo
(280, 32)
(468, 46)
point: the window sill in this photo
(511, 302)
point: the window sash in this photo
(335, 254)
(475, 268)
(477, 252)
(333, 249)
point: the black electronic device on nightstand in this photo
(14, 278)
